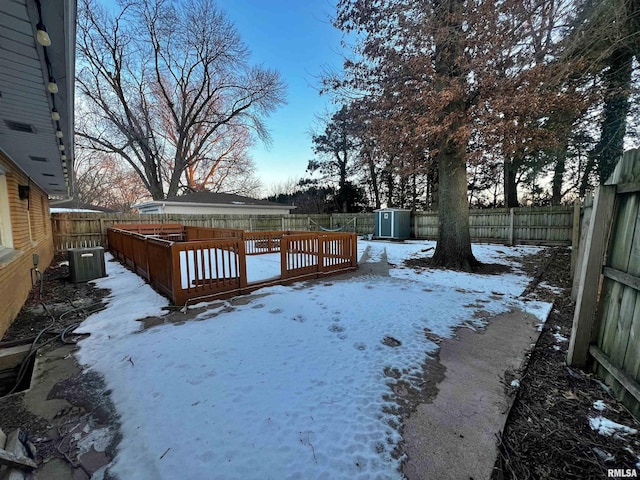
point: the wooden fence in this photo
(539, 226)
(606, 325)
(204, 263)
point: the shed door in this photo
(386, 221)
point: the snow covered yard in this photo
(291, 384)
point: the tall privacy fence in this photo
(606, 327)
(539, 226)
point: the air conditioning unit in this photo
(86, 264)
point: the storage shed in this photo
(394, 223)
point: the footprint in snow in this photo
(336, 328)
(359, 346)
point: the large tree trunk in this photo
(510, 184)
(558, 174)
(453, 249)
(559, 169)
(562, 123)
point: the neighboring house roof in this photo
(77, 206)
(27, 127)
(73, 210)
(214, 199)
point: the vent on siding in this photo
(20, 127)
(48, 175)
(38, 159)
(54, 184)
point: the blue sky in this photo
(296, 38)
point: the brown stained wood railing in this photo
(166, 231)
(305, 256)
(206, 233)
(299, 256)
(208, 269)
(258, 243)
(216, 267)
(340, 251)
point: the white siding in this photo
(231, 210)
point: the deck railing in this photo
(188, 267)
(312, 256)
(206, 233)
(208, 269)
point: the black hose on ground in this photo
(58, 334)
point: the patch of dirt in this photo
(391, 342)
(547, 435)
(57, 305)
(422, 263)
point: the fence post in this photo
(242, 260)
(320, 244)
(590, 272)
(284, 248)
(103, 232)
(575, 236)
(354, 250)
(146, 258)
(511, 226)
(175, 275)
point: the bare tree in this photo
(103, 180)
(285, 187)
(163, 82)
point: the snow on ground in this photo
(289, 385)
(560, 338)
(263, 267)
(599, 405)
(607, 427)
(194, 264)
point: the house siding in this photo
(31, 233)
(234, 210)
